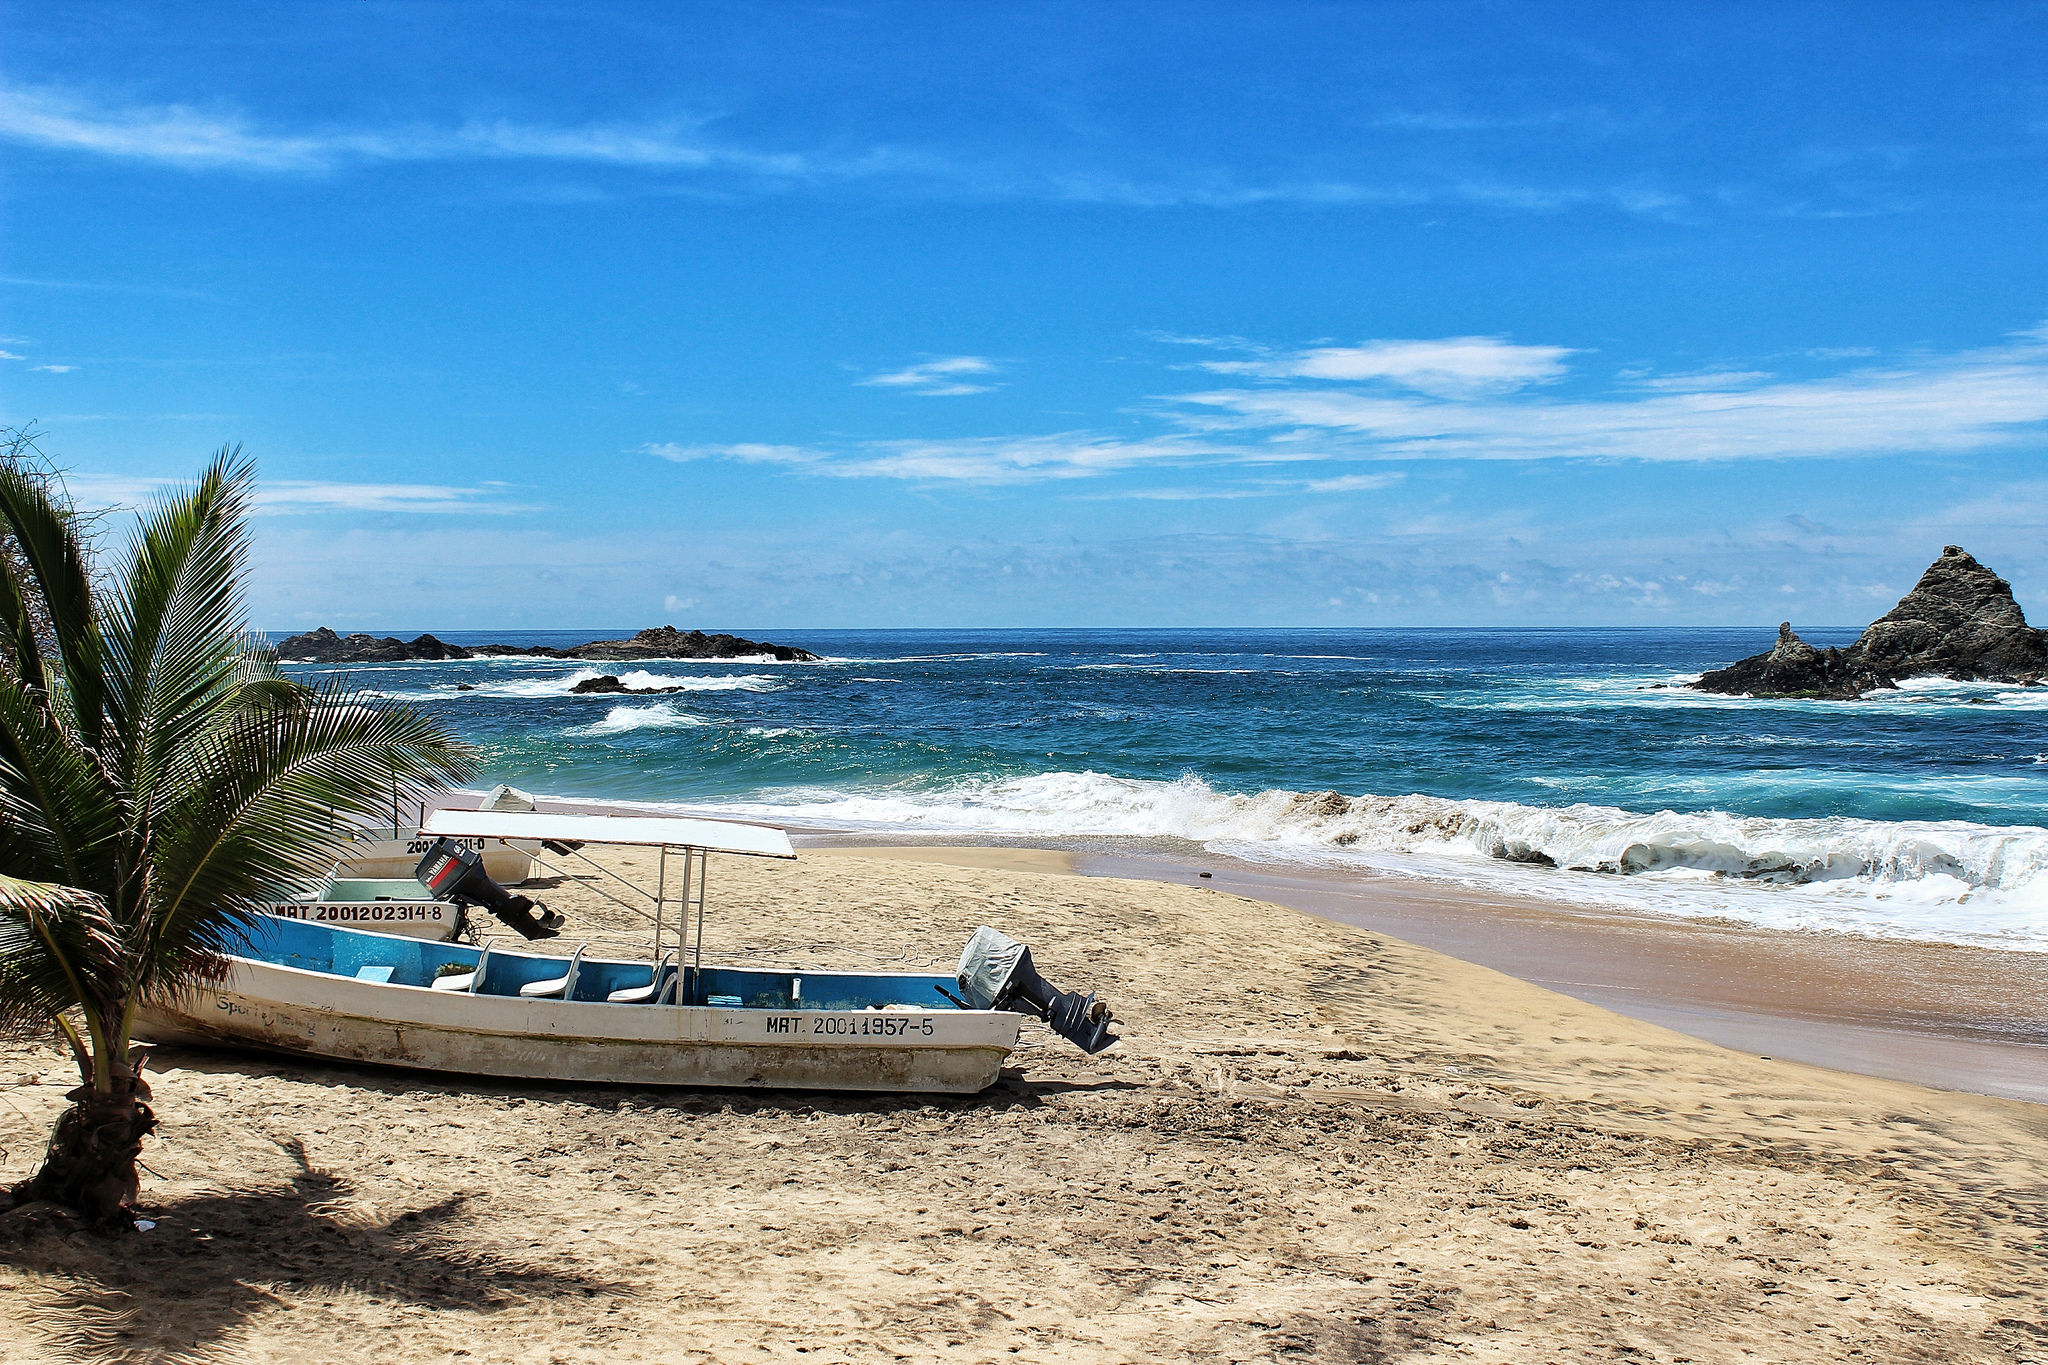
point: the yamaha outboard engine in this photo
(455, 873)
(996, 974)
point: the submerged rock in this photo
(609, 685)
(1960, 621)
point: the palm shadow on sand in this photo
(183, 1291)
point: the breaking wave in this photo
(563, 685)
(621, 720)
(1947, 880)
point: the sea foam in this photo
(1947, 880)
(621, 720)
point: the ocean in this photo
(1563, 764)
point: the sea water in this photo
(1568, 764)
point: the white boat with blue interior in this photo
(325, 990)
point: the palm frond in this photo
(174, 644)
(18, 626)
(58, 948)
(60, 816)
(257, 808)
(46, 534)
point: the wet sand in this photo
(1315, 1143)
(1956, 1017)
(1953, 1017)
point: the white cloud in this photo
(289, 496)
(49, 369)
(1705, 381)
(981, 459)
(1971, 401)
(9, 355)
(1264, 488)
(1341, 405)
(747, 452)
(1453, 367)
(182, 136)
(1352, 483)
(935, 378)
(293, 495)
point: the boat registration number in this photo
(876, 1025)
(432, 912)
(423, 844)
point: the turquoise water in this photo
(1544, 760)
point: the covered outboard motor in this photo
(455, 873)
(996, 974)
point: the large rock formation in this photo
(323, 646)
(662, 642)
(666, 642)
(1960, 621)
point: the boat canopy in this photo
(717, 836)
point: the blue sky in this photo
(768, 316)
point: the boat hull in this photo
(284, 1009)
(505, 862)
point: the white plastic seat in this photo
(640, 995)
(561, 987)
(470, 980)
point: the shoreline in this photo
(1951, 1017)
(1946, 1016)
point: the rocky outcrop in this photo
(1793, 669)
(323, 646)
(1960, 621)
(666, 642)
(611, 686)
(661, 642)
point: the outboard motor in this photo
(996, 974)
(455, 873)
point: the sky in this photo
(769, 316)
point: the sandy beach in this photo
(1317, 1142)
(1948, 1015)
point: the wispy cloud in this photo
(744, 451)
(980, 460)
(214, 138)
(48, 369)
(295, 496)
(9, 355)
(1262, 488)
(1454, 367)
(1943, 404)
(1467, 398)
(1705, 381)
(289, 495)
(940, 378)
(179, 135)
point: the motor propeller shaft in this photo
(996, 973)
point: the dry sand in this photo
(1316, 1143)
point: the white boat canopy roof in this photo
(719, 836)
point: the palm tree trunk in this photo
(90, 1164)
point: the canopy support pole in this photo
(660, 891)
(703, 875)
(687, 996)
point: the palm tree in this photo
(159, 781)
